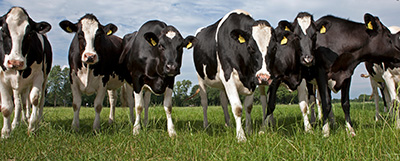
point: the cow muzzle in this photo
(15, 64)
(90, 58)
(171, 70)
(263, 79)
(307, 60)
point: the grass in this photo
(286, 141)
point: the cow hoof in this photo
(172, 133)
(325, 130)
(136, 130)
(110, 121)
(241, 137)
(5, 134)
(262, 132)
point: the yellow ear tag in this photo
(241, 39)
(189, 45)
(323, 30)
(287, 28)
(369, 26)
(284, 41)
(109, 32)
(69, 29)
(153, 42)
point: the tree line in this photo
(58, 93)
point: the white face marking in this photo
(89, 28)
(262, 36)
(170, 34)
(304, 23)
(17, 22)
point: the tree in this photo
(180, 92)
(54, 86)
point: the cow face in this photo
(168, 47)
(17, 32)
(304, 27)
(90, 34)
(382, 43)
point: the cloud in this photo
(188, 16)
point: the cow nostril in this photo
(15, 63)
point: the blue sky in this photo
(188, 16)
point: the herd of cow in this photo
(235, 55)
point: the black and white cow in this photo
(153, 56)
(230, 55)
(340, 46)
(386, 76)
(293, 73)
(25, 60)
(93, 59)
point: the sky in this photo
(188, 16)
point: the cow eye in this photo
(251, 49)
(161, 47)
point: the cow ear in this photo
(372, 24)
(189, 41)
(285, 26)
(240, 36)
(68, 26)
(323, 26)
(110, 29)
(42, 27)
(151, 38)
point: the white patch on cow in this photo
(215, 83)
(199, 30)
(17, 22)
(303, 103)
(237, 11)
(331, 85)
(394, 29)
(304, 23)
(170, 34)
(262, 35)
(89, 28)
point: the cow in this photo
(26, 59)
(340, 46)
(292, 69)
(93, 59)
(230, 56)
(153, 57)
(386, 76)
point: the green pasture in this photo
(287, 140)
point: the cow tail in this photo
(196, 93)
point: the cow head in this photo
(17, 31)
(383, 44)
(304, 26)
(89, 33)
(286, 57)
(168, 46)
(263, 35)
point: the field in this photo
(286, 141)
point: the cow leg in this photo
(263, 99)
(248, 106)
(391, 86)
(325, 94)
(129, 98)
(168, 111)
(98, 106)
(34, 95)
(224, 105)
(269, 117)
(17, 114)
(6, 109)
(76, 105)
(312, 105)
(112, 96)
(346, 106)
(204, 101)
(374, 86)
(138, 108)
(147, 96)
(386, 97)
(303, 103)
(236, 105)
(25, 105)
